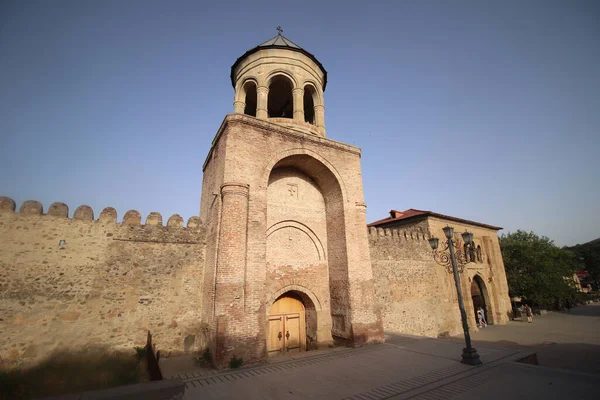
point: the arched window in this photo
(281, 102)
(309, 104)
(479, 257)
(250, 98)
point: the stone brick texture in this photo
(282, 210)
(70, 283)
(418, 296)
(297, 242)
(303, 190)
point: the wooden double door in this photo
(287, 326)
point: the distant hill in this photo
(589, 257)
(593, 244)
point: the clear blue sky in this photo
(489, 112)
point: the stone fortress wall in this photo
(110, 282)
(282, 211)
(415, 295)
(72, 282)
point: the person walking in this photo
(479, 318)
(483, 321)
(529, 313)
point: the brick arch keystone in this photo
(300, 151)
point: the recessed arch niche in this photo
(306, 231)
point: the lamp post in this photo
(454, 262)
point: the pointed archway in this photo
(306, 234)
(292, 324)
(481, 298)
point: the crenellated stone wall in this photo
(488, 270)
(73, 282)
(418, 296)
(282, 213)
(415, 295)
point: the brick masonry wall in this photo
(245, 152)
(297, 242)
(107, 285)
(280, 210)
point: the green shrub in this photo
(205, 359)
(235, 362)
(140, 353)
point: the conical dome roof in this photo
(278, 42)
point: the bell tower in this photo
(280, 82)
(284, 216)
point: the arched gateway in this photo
(292, 325)
(480, 298)
(283, 208)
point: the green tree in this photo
(537, 269)
(589, 257)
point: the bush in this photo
(72, 372)
(140, 353)
(205, 359)
(235, 362)
(583, 298)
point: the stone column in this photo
(320, 118)
(499, 283)
(238, 107)
(298, 104)
(262, 94)
(231, 335)
(366, 323)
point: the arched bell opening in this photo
(250, 98)
(480, 298)
(281, 102)
(292, 324)
(309, 104)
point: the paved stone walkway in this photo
(569, 340)
(410, 367)
(404, 367)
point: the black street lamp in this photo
(454, 262)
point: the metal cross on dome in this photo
(279, 30)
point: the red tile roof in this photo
(413, 213)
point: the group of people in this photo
(481, 322)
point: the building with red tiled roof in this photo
(410, 283)
(397, 218)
